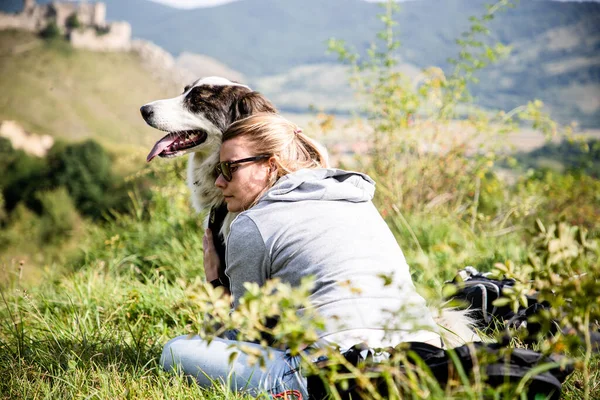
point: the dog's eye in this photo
(185, 89)
(202, 92)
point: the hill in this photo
(50, 88)
(555, 44)
(280, 47)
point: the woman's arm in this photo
(247, 257)
(211, 258)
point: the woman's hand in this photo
(211, 258)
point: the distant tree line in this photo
(569, 156)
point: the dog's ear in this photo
(251, 103)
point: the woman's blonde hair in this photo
(274, 135)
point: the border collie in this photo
(195, 122)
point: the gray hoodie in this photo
(321, 222)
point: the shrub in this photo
(102, 30)
(22, 228)
(72, 21)
(3, 213)
(23, 176)
(571, 197)
(59, 217)
(431, 147)
(51, 31)
(574, 156)
(84, 169)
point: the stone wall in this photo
(31, 19)
(88, 14)
(118, 38)
(16, 21)
(93, 34)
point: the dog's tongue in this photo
(160, 146)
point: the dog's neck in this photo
(200, 167)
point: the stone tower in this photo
(28, 5)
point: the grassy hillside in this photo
(554, 45)
(51, 88)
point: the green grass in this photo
(94, 334)
(94, 328)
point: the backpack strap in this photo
(478, 291)
(215, 222)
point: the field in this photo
(92, 287)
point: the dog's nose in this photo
(146, 112)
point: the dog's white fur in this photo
(172, 116)
(455, 326)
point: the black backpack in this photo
(478, 291)
(503, 365)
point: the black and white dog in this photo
(195, 122)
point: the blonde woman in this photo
(298, 218)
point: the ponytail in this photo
(274, 135)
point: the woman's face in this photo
(248, 180)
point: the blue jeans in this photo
(209, 363)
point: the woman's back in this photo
(321, 222)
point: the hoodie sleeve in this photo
(247, 258)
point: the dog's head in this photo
(200, 115)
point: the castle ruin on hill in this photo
(83, 23)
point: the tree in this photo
(51, 31)
(85, 170)
(72, 22)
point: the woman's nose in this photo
(220, 182)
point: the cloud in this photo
(192, 3)
(211, 3)
(207, 3)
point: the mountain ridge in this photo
(554, 57)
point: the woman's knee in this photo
(170, 359)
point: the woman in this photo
(298, 218)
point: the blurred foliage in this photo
(59, 219)
(51, 31)
(45, 201)
(85, 170)
(430, 147)
(159, 235)
(137, 279)
(24, 174)
(571, 197)
(72, 22)
(579, 157)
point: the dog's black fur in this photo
(196, 120)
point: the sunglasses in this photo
(227, 168)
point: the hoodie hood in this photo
(322, 184)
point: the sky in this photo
(210, 3)
(192, 3)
